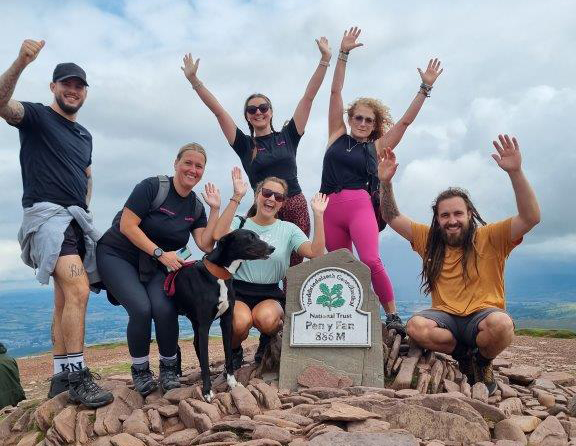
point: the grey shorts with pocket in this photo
(463, 328)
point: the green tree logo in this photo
(331, 298)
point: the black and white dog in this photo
(203, 292)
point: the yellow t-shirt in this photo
(484, 287)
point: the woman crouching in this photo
(134, 254)
(259, 299)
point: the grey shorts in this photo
(463, 328)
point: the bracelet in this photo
(425, 89)
(324, 64)
(343, 56)
(197, 85)
(235, 200)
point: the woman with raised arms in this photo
(349, 169)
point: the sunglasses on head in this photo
(251, 109)
(267, 193)
(367, 119)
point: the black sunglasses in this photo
(267, 193)
(251, 109)
(367, 119)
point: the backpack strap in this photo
(242, 221)
(163, 189)
(198, 208)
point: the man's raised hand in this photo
(29, 50)
(387, 165)
(508, 157)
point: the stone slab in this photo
(364, 365)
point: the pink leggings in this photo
(349, 218)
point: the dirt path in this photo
(35, 371)
(550, 354)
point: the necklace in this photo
(349, 149)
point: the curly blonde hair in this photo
(383, 119)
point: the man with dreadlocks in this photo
(463, 266)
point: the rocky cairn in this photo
(427, 401)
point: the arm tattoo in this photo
(388, 207)
(12, 111)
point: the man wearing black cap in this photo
(57, 237)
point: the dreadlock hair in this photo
(252, 211)
(382, 119)
(433, 259)
(250, 126)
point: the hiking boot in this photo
(237, 358)
(143, 379)
(169, 374)
(264, 341)
(466, 366)
(83, 389)
(483, 372)
(393, 321)
(59, 383)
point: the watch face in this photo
(158, 252)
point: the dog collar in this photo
(216, 271)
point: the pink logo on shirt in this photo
(189, 218)
(166, 211)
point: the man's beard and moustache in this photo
(68, 109)
(456, 240)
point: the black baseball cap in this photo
(68, 70)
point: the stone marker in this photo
(332, 321)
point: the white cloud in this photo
(11, 267)
(513, 75)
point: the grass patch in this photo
(116, 369)
(543, 333)
(108, 345)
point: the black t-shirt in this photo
(169, 226)
(275, 156)
(348, 164)
(54, 155)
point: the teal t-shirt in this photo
(285, 237)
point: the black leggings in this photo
(142, 301)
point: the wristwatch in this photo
(158, 253)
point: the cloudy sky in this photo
(509, 67)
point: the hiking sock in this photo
(168, 359)
(140, 363)
(76, 361)
(60, 364)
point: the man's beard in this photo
(68, 109)
(456, 240)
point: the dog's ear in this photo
(218, 249)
